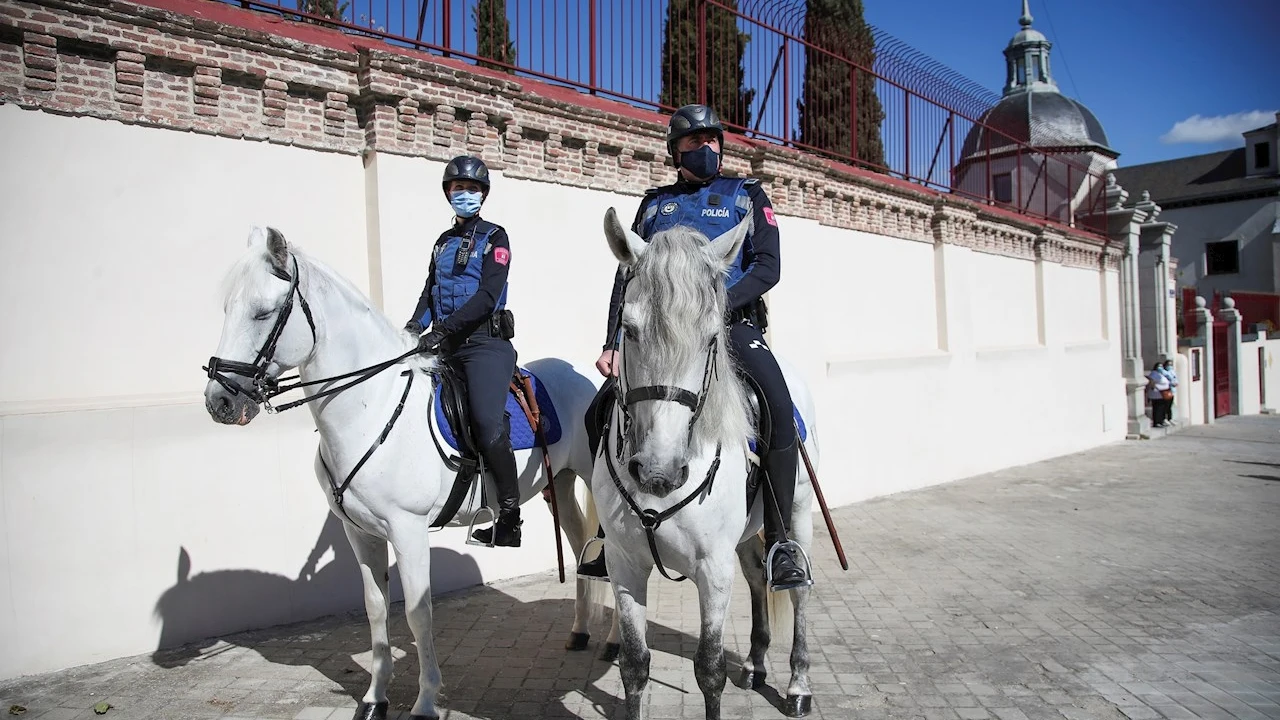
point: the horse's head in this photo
(261, 335)
(676, 383)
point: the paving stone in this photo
(1136, 580)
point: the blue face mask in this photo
(703, 163)
(466, 204)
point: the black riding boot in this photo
(598, 413)
(780, 467)
(501, 461)
(595, 569)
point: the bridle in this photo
(262, 386)
(629, 397)
(626, 398)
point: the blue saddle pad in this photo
(795, 413)
(522, 435)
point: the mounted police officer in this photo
(463, 303)
(704, 199)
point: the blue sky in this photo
(1141, 67)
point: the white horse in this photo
(677, 454)
(375, 436)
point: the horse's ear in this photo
(724, 249)
(625, 244)
(277, 249)
(257, 236)
(184, 565)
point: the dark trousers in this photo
(487, 364)
(755, 359)
(1160, 410)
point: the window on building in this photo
(1002, 187)
(1222, 258)
(1262, 155)
(1020, 67)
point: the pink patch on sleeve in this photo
(768, 216)
(501, 255)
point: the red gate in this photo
(1221, 371)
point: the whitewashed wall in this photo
(1188, 403)
(131, 521)
(1259, 375)
(1271, 375)
(927, 363)
(1250, 383)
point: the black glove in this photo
(430, 342)
(414, 327)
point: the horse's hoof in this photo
(610, 652)
(372, 711)
(577, 642)
(797, 705)
(751, 679)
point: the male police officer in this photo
(463, 302)
(703, 199)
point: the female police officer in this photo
(463, 303)
(699, 199)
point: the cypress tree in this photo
(331, 9)
(493, 33)
(723, 51)
(825, 113)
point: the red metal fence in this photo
(785, 89)
(1255, 308)
(1258, 309)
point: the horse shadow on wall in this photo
(207, 605)
(318, 620)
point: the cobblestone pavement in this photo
(1138, 580)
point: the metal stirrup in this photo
(586, 548)
(493, 517)
(768, 566)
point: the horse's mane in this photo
(318, 279)
(678, 284)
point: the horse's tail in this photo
(576, 498)
(781, 612)
(598, 593)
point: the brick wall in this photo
(211, 68)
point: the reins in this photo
(265, 388)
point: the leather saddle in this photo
(451, 388)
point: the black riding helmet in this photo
(689, 120)
(465, 167)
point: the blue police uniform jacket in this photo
(457, 282)
(713, 210)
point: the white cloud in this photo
(1217, 130)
